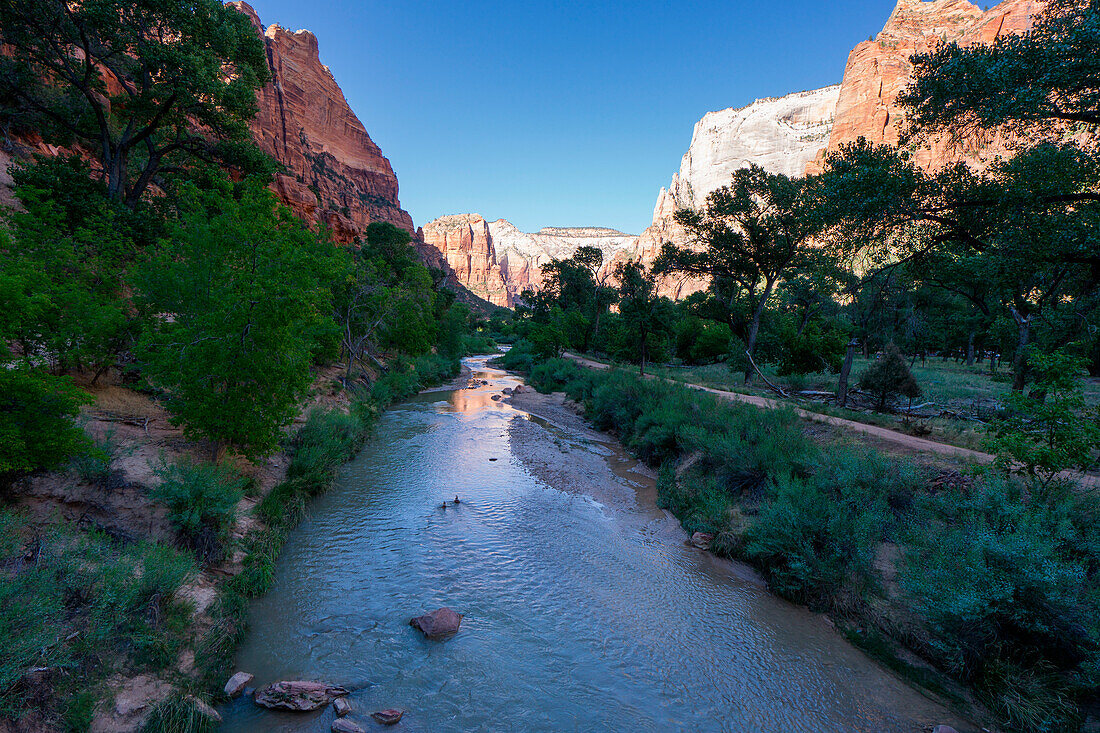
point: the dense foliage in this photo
(146, 87)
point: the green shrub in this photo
(96, 465)
(83, 604)
(1051, 429)
(178, 715)
(817, 537)
(37, 428)
(1007, 590)
(889, 377)
(202, 503)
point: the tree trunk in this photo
(970, 349)
(643, 354)
(805, 320)
(1019, 359)
(845, 370)
(754, 327)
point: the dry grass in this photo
(125, 403)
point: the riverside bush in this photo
(1007, 590)
(85, 605)
(202, 504)
(37, 429)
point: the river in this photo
(584, 608)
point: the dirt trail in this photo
(891, 437)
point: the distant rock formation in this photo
(781, 135)
(878, 71)
(335, 174)
(497, 262)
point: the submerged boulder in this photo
(438, 624)
(392, 716)
(343, 725)
(298, 695)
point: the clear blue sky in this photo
(562, 113)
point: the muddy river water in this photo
(584, 609)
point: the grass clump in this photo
(76, 607)
(202, 504)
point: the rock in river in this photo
(341, 707)
(297, 695)
(236, 684)
(438, 624)
(343, 725)
(702, 540)
(388, 717)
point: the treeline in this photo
(152, 253)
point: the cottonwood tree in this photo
(383, 297)
(1031, 83)
(575, 286)
(1025, 226)
(645, 314)
(141, 86)
(235, 298)
(752, 234)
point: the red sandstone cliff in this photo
(467, 247)
(335, 174)
(878, 71)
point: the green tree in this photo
(65, 261)
(1051, 429)
(235, 296)
(889, 377)
(644, 313)
(383, 297)
(1038, 81)
(36, 421)
(1024, 228)
(143, 86)
(753, 233)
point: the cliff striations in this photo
(878, 71)
(334, 173)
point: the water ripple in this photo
(578, 616)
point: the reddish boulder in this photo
(438, 624)
(390, 716)
(299, 696)
(702, 540)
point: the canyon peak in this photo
(878, 70)
(334, 173)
